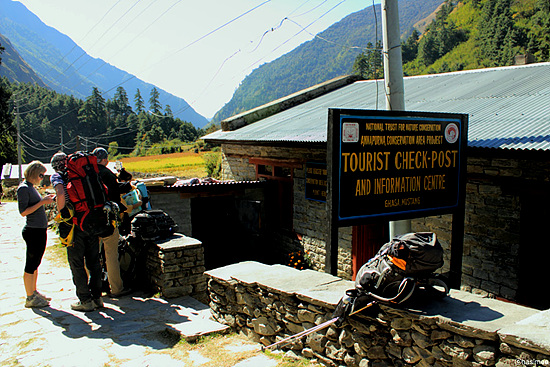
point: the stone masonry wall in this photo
(176, 268)
(176, 207)
(493, 222)
(387, 337)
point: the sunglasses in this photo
(41, 176)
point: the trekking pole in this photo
(363, 308)
(322, 326)
(302, 333)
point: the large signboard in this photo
(396, 165)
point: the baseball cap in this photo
(100, 153)
(59, 161)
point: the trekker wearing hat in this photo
(110, 243)
(64, 207)
(84, 263)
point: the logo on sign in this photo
(350, 132)
(451, 133)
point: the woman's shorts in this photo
(36, 245)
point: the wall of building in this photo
(497, 225)
(500, 187)
(310, 217)
(176, 207)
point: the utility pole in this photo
(393, 79)
(19, 158)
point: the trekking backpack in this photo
(150, 225)
(402, 266)
(412, 255)
(86, 191)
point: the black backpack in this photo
(400, 267)
(150, 225)
(412, 255)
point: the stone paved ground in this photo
(131, 331)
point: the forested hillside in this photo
(330, 54)
(51, 121)
(473, 34)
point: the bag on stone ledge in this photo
(400, 267)
(151, 225)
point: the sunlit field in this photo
(182, 165)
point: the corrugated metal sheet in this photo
(508, 108)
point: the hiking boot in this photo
(98, 303)
(83, 306)
(34, 301)
(40, 295)
(124, 292)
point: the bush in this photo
(213, 165)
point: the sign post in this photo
(395, 165)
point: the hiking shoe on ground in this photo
(98, 303)
(83, 306)
(40, 295)
(124, 292)
(34, 301)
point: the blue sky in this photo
(199, 50)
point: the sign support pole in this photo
(331, 242)
(393, 80)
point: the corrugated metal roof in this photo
(508, 107)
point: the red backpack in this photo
(88, 194)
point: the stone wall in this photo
(495, 193)
(175, 267)
(269, 303)
(176, 207)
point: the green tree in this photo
(113, 148)
(409, 48)
(8, 150)
(139, 103)
(92, 114)
(368, 64)
(154, 103)
(441, 36)
(496, 33)
(122, 103)
(7, 147)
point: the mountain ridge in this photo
(41, 45)
(14, 67)
(311, 62)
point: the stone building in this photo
(508, 197)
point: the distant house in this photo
(10, 173)
(508, 184)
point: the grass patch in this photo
(183, 165)
(215, 350)
(56, 254)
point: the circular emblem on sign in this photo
(451, 133)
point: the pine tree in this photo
(138, 101)
(368, 64)
(8, 151)
(93, 114)
(154, 104)
(496, 33)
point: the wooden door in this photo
(366, 241)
